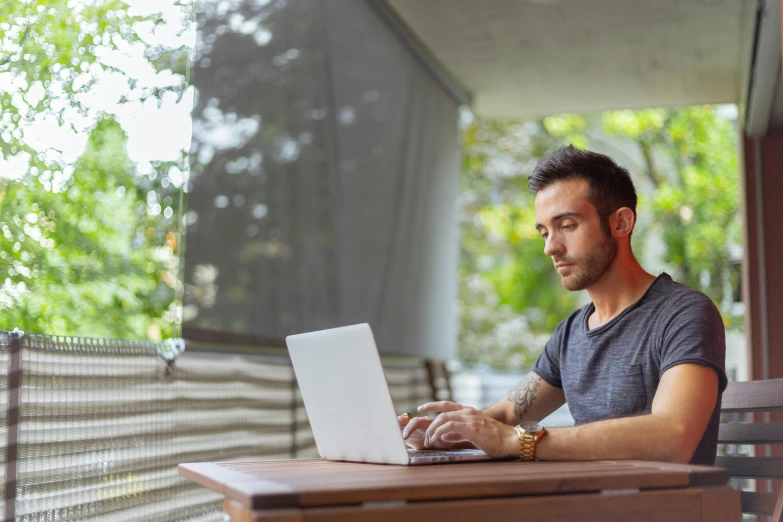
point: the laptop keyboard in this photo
(415, 453)
(429, 453)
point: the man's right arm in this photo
(530, 400)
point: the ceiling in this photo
(526, 58)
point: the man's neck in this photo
(622, 285)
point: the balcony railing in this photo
(94, 428)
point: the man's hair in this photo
(610, 184)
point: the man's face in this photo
(579, 246)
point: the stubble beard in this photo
(595, 266)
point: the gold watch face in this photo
(531, 427)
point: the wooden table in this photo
(315, 490)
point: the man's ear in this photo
(622, 222)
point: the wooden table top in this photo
(305, 483)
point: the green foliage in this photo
(687, 179)
(86, 259)
(510, 294)
(87, 247)
(696, 202)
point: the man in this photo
(641, 366)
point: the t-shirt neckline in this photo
(591, 307)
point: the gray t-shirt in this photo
(614, 370)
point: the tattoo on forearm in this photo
(524, 394)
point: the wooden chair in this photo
(440, 380)
(751, 397)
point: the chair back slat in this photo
(750, 433)
(752, 467)
(440, 380)
(758, 503)
(754, 396)
(764, 395)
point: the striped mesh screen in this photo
(104, 424)
(4, 359)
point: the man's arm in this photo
(681, 410)
(532, 399)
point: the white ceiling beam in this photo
(765, 69)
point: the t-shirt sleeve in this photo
(694, 333)
(548, 364)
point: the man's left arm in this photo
(681, 409)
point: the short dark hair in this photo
(610, 184)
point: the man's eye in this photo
(569, 227)
(543, 236)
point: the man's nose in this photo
(553, 245)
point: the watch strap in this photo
(527, 444)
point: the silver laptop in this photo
(348, 401)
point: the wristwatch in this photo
(529, 434)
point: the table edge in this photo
(255, 492)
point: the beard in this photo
(585, 273)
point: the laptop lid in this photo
(346, 396)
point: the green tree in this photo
(692, 160)
(81, 263)
(687, 177)
(510, 296)
(87, 247)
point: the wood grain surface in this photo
(312, 483)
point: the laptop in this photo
(348, 401)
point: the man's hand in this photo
(456, 423)
(413, 432)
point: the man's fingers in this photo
(416, 423)
(439, 406)
(454, 430)
(403, 420)
(438, 421)
(461, 415)
(453, 437)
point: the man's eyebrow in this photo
(558, 217)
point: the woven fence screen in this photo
(4, 398)
(103, 424)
